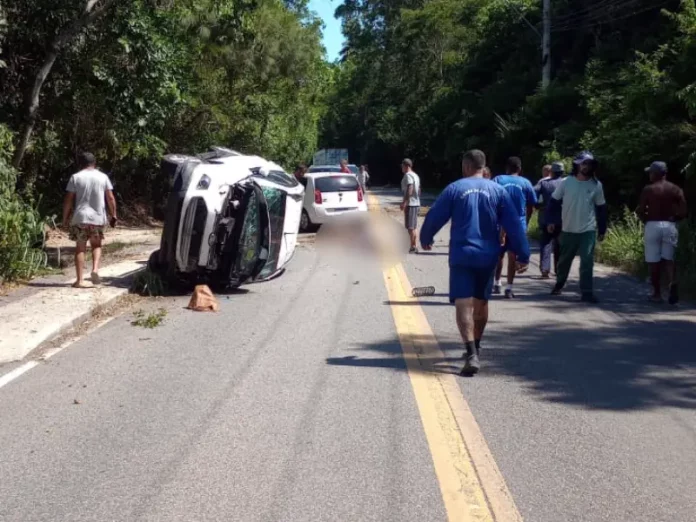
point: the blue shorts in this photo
(466, 282)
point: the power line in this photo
(599, 18)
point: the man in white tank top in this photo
(88, 193)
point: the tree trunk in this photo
(93, 10)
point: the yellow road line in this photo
(471, 484)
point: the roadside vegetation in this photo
(428, 80)
(133, 80)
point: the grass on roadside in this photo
(152, 320)
(148, 283)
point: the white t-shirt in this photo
(411, 178)
(89, 186)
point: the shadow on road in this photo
(639, 356)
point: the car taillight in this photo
(317, 196)
(360, 195)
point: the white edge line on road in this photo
(11, 376)
(21, 370)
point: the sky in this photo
(333, 37)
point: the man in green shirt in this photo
(580, 201)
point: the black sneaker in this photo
(557, 290)
(673, 294)
(509, 294)
(497, 289)
(589, 298)
(471, 365)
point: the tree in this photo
(92, 10)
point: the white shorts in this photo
(660, 241)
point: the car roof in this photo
(327, 174)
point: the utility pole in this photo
(546, 46)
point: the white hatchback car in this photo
(329, 195)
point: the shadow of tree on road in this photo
(622, 367)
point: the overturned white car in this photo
(230, 219)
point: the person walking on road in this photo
(344, 167)
(411, 190)
(524, 198)
(87, 192)
(579, 200)
(477, 208)
(662, 204)
(363, 177)
(549, 241)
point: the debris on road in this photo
(152, 320)
(203, 300)
(423, 291)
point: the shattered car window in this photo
(250, 240)
(276, 200)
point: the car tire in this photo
(306, 224)
(153, 263)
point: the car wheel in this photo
(153, 263)
(306, 224)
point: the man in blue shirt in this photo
(523, 198)
(478, 208)
(549, 240)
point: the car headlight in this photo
(204, 183)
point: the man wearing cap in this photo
(544, 189)
(662, 204)
(579, 201)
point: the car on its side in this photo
(231, 219)
(328, 196)
(332, 168)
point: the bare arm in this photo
(530, 212)
(111, 203)
(642, 205)
(68, 203)
(681, 211)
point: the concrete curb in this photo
(30, 322)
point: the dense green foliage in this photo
(429, 79)
(20, 225)
(155, 76)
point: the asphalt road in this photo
(293, 403)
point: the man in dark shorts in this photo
(662, 205)
(478, 208)
(549, 240)
(523, 197)
(411, 189)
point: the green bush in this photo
(21, 228)
(686, 257)
(623, 245)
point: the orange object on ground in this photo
(203, 300)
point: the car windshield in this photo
(250, 240)
(336, 183)
(276, 200)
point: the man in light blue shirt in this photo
(523, 198)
